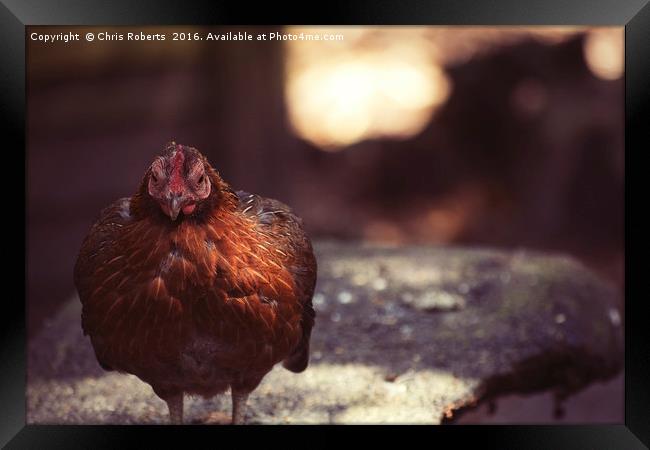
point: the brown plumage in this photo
(195, 288)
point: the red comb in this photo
(176, 179)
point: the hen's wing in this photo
(278, 220)
(98, 248)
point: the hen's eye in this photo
(154, 177)
(202, 179)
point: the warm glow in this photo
(604, 50)
(375, 83)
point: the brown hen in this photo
(195, 288)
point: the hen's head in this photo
(180, 180)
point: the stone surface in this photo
(403, 335)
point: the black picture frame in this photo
(15, 15)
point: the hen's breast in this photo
(191, 304)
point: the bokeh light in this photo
(372, 84)
(604, 52)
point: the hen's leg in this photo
(175, 405)
(239, 406)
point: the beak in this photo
(175, 207)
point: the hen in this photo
(195, 288)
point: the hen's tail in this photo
(299, 359)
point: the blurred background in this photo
(502, 137)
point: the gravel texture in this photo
(402, 335)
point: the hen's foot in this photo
(175, 405)
(239, 407)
